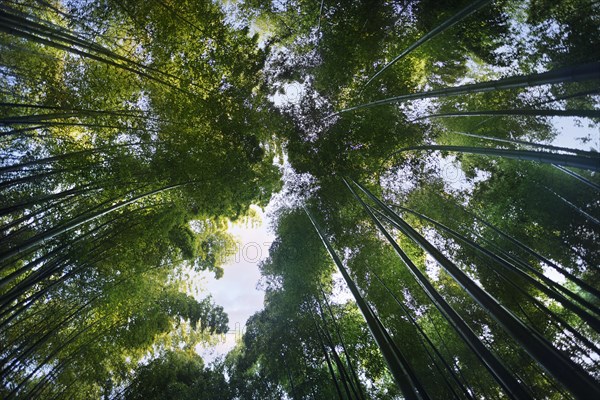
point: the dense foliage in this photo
(433, 239)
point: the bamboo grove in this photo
(97, 195)
(419, 173)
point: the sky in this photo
(237, 290)
(570, 130)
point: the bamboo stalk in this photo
(494, 365)
(398, 365)
(447, 24)
(590, 162)
(577, 73)
(53, 232)
(570, 374)
(540, 113)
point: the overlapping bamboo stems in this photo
(42, 237)
(550, 290)
(591, 161)
(579, 73)
(340, 336)
(23, 25)
(568, 373)
(444, 26)
(428, 345)
(399, 366)
(332, 373)
(351, 377)
(494, 365)
(525, 265)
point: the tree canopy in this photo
(434, 182)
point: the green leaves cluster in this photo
(131, 133)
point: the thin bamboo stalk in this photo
(577, 73)
(399, 367)
(590, 161)
(524, 112)
(447, 24)
(570, 374)
(494, 365)
(53, 232)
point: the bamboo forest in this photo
(429, 171)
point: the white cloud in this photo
(237, 290)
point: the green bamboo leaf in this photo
(447, 24)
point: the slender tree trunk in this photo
(328, 361)
(550, 290)
(346, 379)
(20, 26)
(346, 353)
(578, 73)
(38, 239)
(544, 260)
(574, 207)
(590, 162)
(526, 112)
(427, 340)
(570, 374)
(498, 370)
(399, 367)
(531, 144)
(447, 24)
(578, 177)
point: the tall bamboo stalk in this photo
(570, 374)
(591, 161)
(397, 363)
(577, 73)
(447, 24)
(494, 365)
